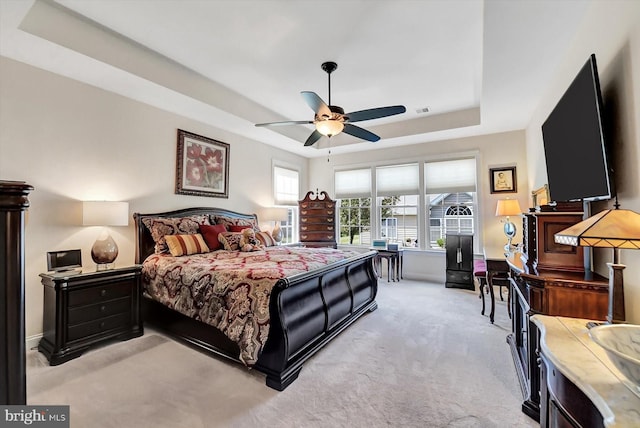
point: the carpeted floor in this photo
(424, 358)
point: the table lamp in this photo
(103, 213)
(508, 207)
(609, 229)
(276, 215)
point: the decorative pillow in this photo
(238, 228)
(230, 221)
(230, 240)
(210, 235)
(185, 245)
(266, 239)
(249, 242)
(160, 227)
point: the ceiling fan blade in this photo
(315, 136)
(375, 113)
(316, 104)
(356, 131)
(288, 122)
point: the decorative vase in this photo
(104, 250)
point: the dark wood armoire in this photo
(459, 249)
(13, 380)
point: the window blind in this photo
(450, 176)
(355, 183)
(286, 186)
(397, 180)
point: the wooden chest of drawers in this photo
(84, 309)
(317, 220)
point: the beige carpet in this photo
(425, 358)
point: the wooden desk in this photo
(394, 262)
(498, 269)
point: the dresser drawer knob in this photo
(103, 292)
(103, 308)
(102, 325)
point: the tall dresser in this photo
(13, 204)
(318, 220)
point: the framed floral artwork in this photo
(503, 180)
(202, 166)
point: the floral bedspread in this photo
(231, 289)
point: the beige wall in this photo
(75, 142)
(496, 150)
(611, 30)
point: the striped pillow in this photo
(266, 239)
(184, 245)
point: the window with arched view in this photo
(449, 212)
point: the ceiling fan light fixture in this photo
(330, 127)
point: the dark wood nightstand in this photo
(83, 309)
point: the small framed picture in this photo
(540, 196)
(202, 166)
(503, 180)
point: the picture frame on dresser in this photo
(540, 196)
(202, 166)
(503, 180)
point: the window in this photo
(397, 189)
(450, 188)
(286, 187)
(353, 192)
(415, 204)
(286, 193)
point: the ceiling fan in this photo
(331, 120)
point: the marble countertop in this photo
(566, 343)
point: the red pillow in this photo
(210, 235)
(238, 227)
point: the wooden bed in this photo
(307, 310)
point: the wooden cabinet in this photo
(13, 379)
(539, 247)
(88, 308)
(546, 292)
(317, 220)
(459, 253)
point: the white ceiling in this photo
(479, 66)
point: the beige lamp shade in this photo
(105, 213)
(609, 228)
(274, 214)
(507, 207)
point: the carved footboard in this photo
(310, 309)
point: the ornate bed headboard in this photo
(144, 242)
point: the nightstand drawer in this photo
(84, 330)
(86, 313)
(100, 293)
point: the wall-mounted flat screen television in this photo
(574, 142)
